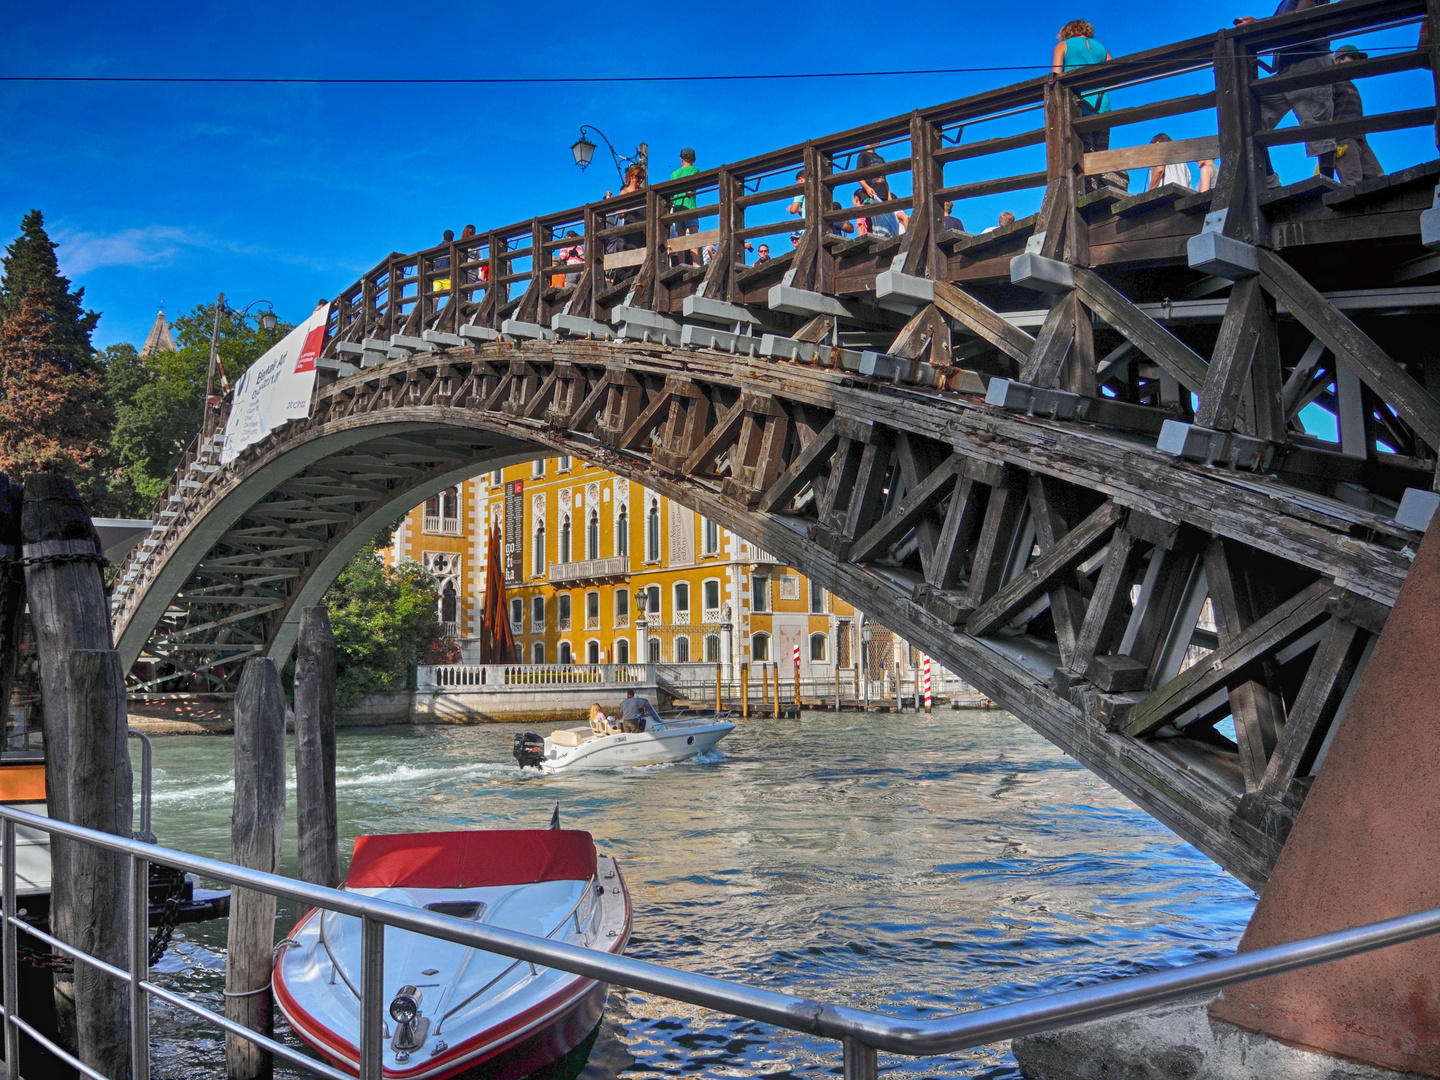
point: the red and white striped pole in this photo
(927, 681)
(795, 652)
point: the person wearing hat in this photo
(1354, 159)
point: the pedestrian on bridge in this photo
(1310, 104)
(1078, 48)
(685, 201)
(1354, 159)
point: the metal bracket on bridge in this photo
(1212, 252)
(1195, 443)
(903, 292)
(479, 333)
(442, 340)
(641, 324)
(578, 326)
(795, 301)
(514, 329)
(705, 337)
(707, 309)
(411, 345)
(374, 352)
(1032, 400)
(778, 347)
(1417, 507)
(1430, 223)
(1033, 271)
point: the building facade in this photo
(588, 553)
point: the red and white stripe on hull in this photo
(521, 1018)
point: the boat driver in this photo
(631, 718)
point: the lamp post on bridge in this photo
(584, 151)
(866, 634)
(268, 321)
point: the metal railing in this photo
(524, 676)
(860, 1033)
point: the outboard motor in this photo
(529, 750)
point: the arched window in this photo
(711, 594)
(652, 532)
(592, 652)
(760, 647)
(592, 536)
(519, 653)
(652, 602)
(622, 607)
(712, 648)
(517, 612)
(564, 657)
(537, 557)
(819, 648)
(655, 656)
(537, 616)
(537, 653)
(592, 610)
(682, 598)
(622, 532)
(682, 650)
(565, 539)
(622, 650)
(448, 603)
(712, 537)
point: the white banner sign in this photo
(277, 388)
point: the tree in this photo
(32, 271)
(53, 417)
(385, 621)
(159, 399)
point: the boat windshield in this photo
(652, 718)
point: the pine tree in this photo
(30, 268)
(53, 418)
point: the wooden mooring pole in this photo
(315, 810)
(68, 612)
(95, 887)
(255, 833)
(12, 591)
(745, 691)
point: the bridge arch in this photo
(1008, 546)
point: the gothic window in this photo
(592, 536)
(538, 556)
(652, 532)
(622, 532)
(565, 539)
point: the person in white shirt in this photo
(1178, 173)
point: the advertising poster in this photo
(277, 388)
(514, 532)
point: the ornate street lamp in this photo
(584, 151)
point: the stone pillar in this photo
(642, 637)
(727, 642)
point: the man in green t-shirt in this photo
(685, 201)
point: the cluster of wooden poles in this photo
(50, 560)
(772, 705)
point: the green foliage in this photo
(31, 268)
(384, 620)
(159, 400)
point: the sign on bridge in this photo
(277, 388)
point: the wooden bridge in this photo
(1038, 450)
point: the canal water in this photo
(912, 865)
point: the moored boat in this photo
(456, 1011)
(659, 741)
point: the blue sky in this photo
(172, 193)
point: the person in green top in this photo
(685, 201)
(1078, 48)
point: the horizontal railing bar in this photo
(315, 1065)
(997, 145)
(772, 195)
(1352, 69)
(890, 1034)
(1322, 21)
(69, 950)
(993, 187)
(63, 1054)
(1338, 129)
(1140, 113)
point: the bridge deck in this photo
(1042, 451)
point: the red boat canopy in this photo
(459, 860)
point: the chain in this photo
(169, 915)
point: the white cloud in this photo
(154, 245)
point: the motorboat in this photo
(455, 1011)
(674, 738)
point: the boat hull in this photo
(637, 748)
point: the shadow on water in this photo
(917, 867)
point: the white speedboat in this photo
(674, 739)
(456, 1011)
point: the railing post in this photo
(139, 967)
(372, 995)
(12, 974)
(860, 1060)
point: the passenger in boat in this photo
(599, 722)
(632, 720)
